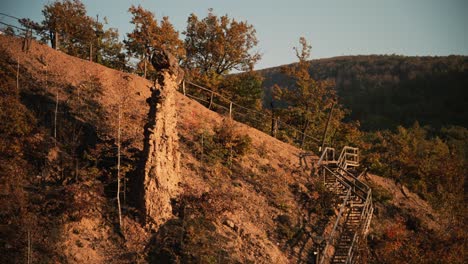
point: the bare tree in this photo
(55, 114)
(118, 165)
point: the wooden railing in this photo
(333, 236)
(258, 119)
(349, 156)
(355, 188)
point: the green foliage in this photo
(109, 50)
(224, 145)
(285, 227)
(244, 89)
(308, 101)
(385, 91)
(456, 138)
(380, 194)
(430, 166)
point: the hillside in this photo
(243, 198)
(250, 196)
(384, 91)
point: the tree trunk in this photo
(211, 101)
(55, 115)
(90, 51)
(56, 41)
(304, 129)
(144, 62)
(52, 39)
(118, 169)
(274, 121)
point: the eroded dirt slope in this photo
(258, 207)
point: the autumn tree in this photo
(309, 101)
(68, 26)
(149, 35)
(217, 45)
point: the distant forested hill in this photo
(383, 91)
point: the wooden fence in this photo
(264, 121)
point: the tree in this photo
(69, 28)
(217, 45)
(308, 101)
(148, 36)
(109, 50)
(244, 88)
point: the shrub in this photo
(225, 144)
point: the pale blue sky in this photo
(334, 27)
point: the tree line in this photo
(430, 161)
(213, 48)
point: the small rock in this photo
(229, 223)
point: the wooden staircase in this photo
(354, 202)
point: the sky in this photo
(333, 27)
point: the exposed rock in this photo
(162, 60)
(162, 169)
(229, 223)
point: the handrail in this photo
(338, 178)
(348, 156)
(325, 155)
(356, 180)
(226, 99)
(364, 219)
(367, 212)
(331, 240)
(343, 160)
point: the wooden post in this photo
(17, 77)
(183, 87)
(29, 39)
(304, 133)
(56, 40)
(90, 51)
(26, 40)
(230, 109)
(211, 100)
(274, 126)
